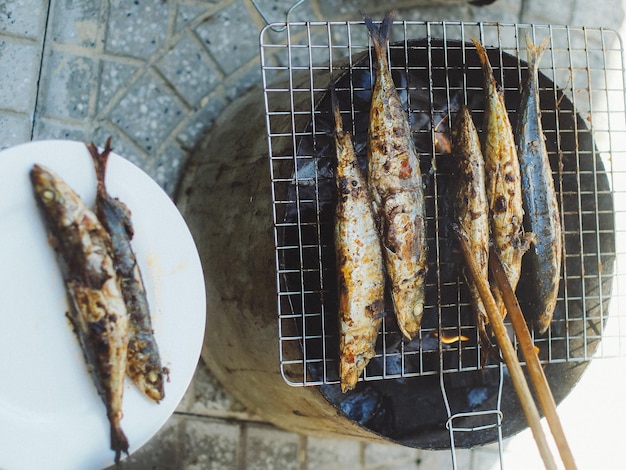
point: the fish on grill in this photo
(471, 210)
(144, 362)
(542, 210)
(395, 180)
(96, 306)
(361, 278)
(503, 180)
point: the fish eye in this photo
(48, 196)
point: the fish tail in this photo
(380, 32)
(488, 349)
(343, 139)
(484, 59)
(535, 52)
(119, 442)
(100, 162)
(336, 112)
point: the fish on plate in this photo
(97, 310)
(144, 362)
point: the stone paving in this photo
(155, 75)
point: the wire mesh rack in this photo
(436, 69)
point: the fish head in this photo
(56, 199)
(151, 383)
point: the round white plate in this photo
(51, 415)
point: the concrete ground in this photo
(156, 74)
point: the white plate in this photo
(50, 413)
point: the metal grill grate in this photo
(435, 69)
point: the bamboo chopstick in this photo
(508, 352)
(537, 376)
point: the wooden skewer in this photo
(535, 371)
(508, 352)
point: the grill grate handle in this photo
(497, 413)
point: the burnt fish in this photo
(396, 184)
(503, 180)
(96, 305)
(361, 278)
(144, 362)
(542, 210)
(471, 209)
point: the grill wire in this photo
(583, 66)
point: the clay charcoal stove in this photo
(409, 390)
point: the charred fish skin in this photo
(361, 278)
(144, 362)
(96, 306)
(395, 181)
(471, 207)
(503, 180)
(542, 209)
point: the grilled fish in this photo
(96, 306)
(471, 207)
(395, 181)
(503, 182)
(144, 362)
(542, 210)
(361, 278)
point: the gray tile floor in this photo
(155, 75)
